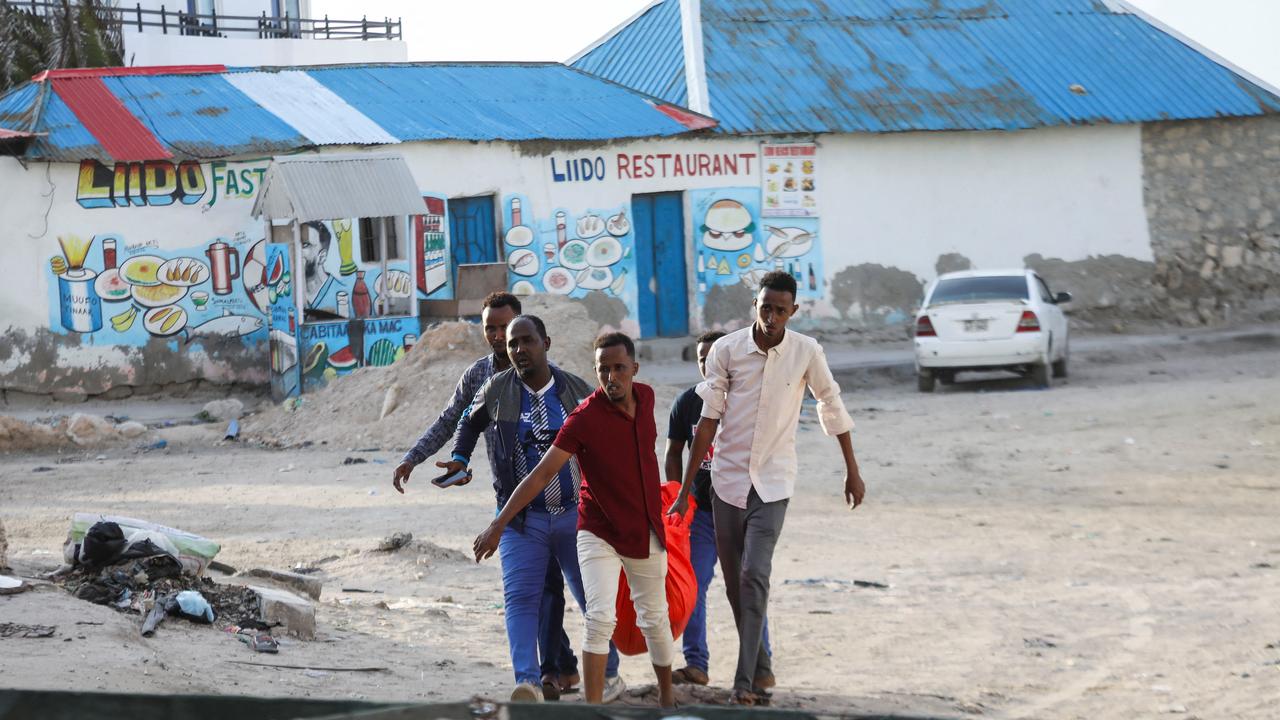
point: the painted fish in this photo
(227, 325)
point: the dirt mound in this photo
(80, 430)
(390, 407)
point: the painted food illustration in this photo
(314, 362)
(728, 226)
(381, 353)
(519, 236)
(522, 288)
(574, 255)
(124, 321)
(183, 272)
(165, 321)
(604, 251)
(559, 281)
(253, 276)
(788, 242)
(595, 278)
(523, 262)
(343, 360)
(142, 270)
(590, 226)
(618, 225)
(111, 287)
(154, 296)
(394, 283)
(276, 273)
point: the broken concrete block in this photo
(224, 410)
(305, 584)
(280, 607)
(90, 430)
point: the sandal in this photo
(742, 697)
(689, 676)
(550, 687)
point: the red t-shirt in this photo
(620, 500)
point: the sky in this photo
(1241, 31)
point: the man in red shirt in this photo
(619, 512)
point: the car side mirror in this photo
(1063, 297)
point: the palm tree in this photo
(65, 34)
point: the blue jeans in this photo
(702, 552)
(525, 559)
(554, 649)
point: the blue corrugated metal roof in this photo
(649, 56)
(810, 66)
(210, 112)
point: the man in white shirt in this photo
(754, 387)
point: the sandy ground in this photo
(1106, 549)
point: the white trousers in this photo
(600, 564)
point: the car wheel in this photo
(1060, 367)
(925, 381)
(947, 378)
(1040, 374)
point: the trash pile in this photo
(158, 572)
(389, 407)
(79, 430)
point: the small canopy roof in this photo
(329, 187)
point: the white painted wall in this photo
(903, 200)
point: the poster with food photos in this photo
(789, 180)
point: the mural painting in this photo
(283, 330)
(432, 250)
(338, 283)
(331, 349)
(119, 293)
(732, 244)
(159, 183)
(570, 253)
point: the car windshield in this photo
(980, 289)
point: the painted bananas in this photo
(124, 320)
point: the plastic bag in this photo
(682, 584)
(193, 552)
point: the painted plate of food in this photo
(559, 281)
(142, 270)
(604, 251)
(183, 272)
(165, 321)
(154, 296)
(595, 278)
(523, 262)
(574, 255)
(111, 287)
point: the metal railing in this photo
(214, 25)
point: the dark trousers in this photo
(745, 540)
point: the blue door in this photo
(471, 232)
(660, 266)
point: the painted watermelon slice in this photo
(343, 360)
(277, 272)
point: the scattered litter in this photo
(836, 582)
(42, 468)
(1261, 566)
(309, 667)
(222, 567)
(395, 541)
(360, 590)
(12, 585)
(287, 468)
(233, 430)
(257, 640)
(353, 461)
(315, 673)
(17, 630)
(1039, 643)
(154, 445)
(100, 457)
(373, 492)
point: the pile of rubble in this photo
(79, 430)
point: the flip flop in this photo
(746, 698)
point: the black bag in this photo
(102, 544)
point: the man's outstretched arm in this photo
(528, 489)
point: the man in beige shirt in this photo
(755, 383)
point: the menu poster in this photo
(789, 180)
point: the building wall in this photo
(1213, 199)
(912, 205)
(894, 211)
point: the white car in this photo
(990, 320)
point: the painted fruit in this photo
(315, 358)
(343, 360)
(382, 353)
(277, 272)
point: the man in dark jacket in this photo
(524, 407)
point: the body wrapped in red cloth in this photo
(682, 584)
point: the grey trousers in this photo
(745, 540)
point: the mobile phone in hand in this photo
(447, 480)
